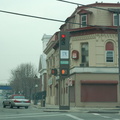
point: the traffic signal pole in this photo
(64, 66)
(117, 11)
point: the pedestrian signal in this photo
(64, 72)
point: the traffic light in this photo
(54, 71)
(64, 52)
(64, 37)
(64, 72)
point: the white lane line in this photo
(101, 115)
(20, 114)
(30, 116)
(95, 114)
(106, 117)
(74, 117)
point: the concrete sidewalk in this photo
(55, 108)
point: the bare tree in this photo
(23, 80)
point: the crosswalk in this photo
(36, 115)
(105, 116)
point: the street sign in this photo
(64, 54)
(64, 62)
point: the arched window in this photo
(109, 52)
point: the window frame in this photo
(115, 20)
(85, 52)
(83, 21)
(107, 56)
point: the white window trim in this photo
(83, 21)
(114, 20)
(106, 56)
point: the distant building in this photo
(42, 63)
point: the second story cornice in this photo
(93, 30)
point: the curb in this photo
(56, 109)
(112, 112)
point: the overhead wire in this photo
(32, 16)
(50, 19)
(82, 5)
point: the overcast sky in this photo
(20, 37)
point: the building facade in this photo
(93, 58)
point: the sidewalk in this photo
(55, 108)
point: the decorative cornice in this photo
(100, 70)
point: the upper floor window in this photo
(83, 20)
(84, 53)
(115, 19)
(109, 52)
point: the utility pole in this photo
(117, 12)
(118, 30)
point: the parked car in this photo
(16, 101)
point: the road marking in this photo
(22, 114)
(30, 116)
(95, 114)
(105, 116)
(101, 115)
(37, 115)
(74, 117)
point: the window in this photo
(115, 19)
(109, 52)
(84, 54)
(109, 56)
(83, 20)
(19, 97)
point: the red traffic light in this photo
(63, 35)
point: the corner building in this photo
(93, 59)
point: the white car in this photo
(16, 101)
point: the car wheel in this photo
(11, 105)
(26, 107)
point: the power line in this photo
(38, 17)
(50, 19)
(82, 5)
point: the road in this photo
(34, 113)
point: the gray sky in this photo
(20, 37)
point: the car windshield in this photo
(19, 97)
